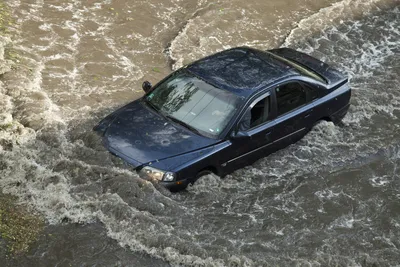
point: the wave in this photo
(338, 12)
(244, 219)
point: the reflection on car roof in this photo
(241, 70)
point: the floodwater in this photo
(332, 199)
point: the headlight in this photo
(156, 174)
(169, 176)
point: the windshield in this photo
(186, 99)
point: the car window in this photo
(260, 112)
(289, 97)
(256, 114)
(312, 92)
(189, 100)
(300, 68)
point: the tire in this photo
(198, 176)
(340, 124)
(203, 173)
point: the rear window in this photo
(301, 68)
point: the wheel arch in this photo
(210, 168)
(326, 118)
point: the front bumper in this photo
(172, 186)
(176, 185)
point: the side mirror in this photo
(240, 135)
(146, 85)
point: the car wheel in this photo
(203, 173)
(340, 124)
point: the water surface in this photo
(332, 199)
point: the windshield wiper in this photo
(151, 105)
(187, 126)
(184, 124)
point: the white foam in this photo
(328, 16)
(379, 181)
(72, 179)
(346, 221)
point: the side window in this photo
(312, 93)
(289, 97)
(256, 114)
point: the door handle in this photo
(267, 135)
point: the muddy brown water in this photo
(332, 199)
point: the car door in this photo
(256, 134)
(294, 110)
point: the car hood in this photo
(140, 135)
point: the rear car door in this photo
(258, 125)
(295, 113)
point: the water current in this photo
(332, 199)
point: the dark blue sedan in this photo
(224, 112)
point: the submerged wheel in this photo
(203, 173)
(198, 176)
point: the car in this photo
(223, 112)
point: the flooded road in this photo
(332, 199)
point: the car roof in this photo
(241, 70)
